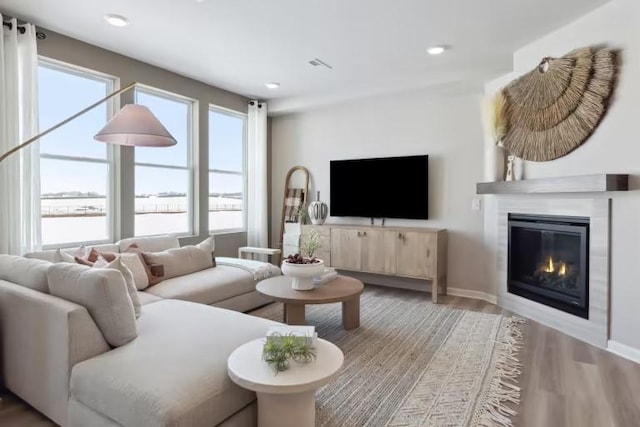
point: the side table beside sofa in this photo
(285, 399)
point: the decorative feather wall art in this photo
(552, 110)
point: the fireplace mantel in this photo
(598, 183)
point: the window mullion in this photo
(74, 158)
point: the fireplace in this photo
(548, 261)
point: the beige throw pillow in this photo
(209, 245)
(119, 265)
(62, 256)
(103, 292)
(135, 263)
(180, 261)
(154, 272)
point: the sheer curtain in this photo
(257, 225)
(19, 174)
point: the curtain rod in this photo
(39, 34)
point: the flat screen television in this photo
(391, 187)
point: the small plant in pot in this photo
(279, 349)
(302, 269)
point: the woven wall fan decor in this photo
(553, 109)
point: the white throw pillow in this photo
(103, 292)
(134, 262)
(62, 256)
(208, 245)
(117, 264)
(180, 261)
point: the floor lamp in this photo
(134, 125)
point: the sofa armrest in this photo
(43, 337)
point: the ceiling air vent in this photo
(317, 62)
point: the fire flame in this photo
(563, 269)
(550, 267)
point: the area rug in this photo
(414, 363)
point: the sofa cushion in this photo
(103, 292)
(207, 286)
(175, 373)
(147, 298)
(150, 244)
(30, 273)
(180, 261)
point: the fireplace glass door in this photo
(548, 259)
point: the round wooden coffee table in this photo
(342, 289)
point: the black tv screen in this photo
(392, 187)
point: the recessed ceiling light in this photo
(116, 20)
(272, 85)
(436, 50)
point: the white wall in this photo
(449, 130)
(613, 148)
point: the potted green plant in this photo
(311, 242)
(278, 350)
(302, 269)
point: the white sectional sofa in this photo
(55, 357)
(223, 286)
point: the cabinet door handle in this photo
(359, 234)
(364, 234)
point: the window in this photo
(227, 179)
(164, 176)
(75, 170)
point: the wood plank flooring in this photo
(565, 382)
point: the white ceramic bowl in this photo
(302, 274)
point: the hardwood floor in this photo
(15, 413)
(565, 382)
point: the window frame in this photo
(112, 160)
(245, 182)
(192, 152)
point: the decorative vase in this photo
(495, 162)
(318, 211)
(302, 274)
(501, 162)
(518, 169)
(509, 175)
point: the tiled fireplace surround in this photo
(593, 330)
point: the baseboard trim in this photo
(625, 351)
(468, 293)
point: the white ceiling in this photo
(374, 46)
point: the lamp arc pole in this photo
(65, 121)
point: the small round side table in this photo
(285, 399)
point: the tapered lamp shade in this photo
(136, 125)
